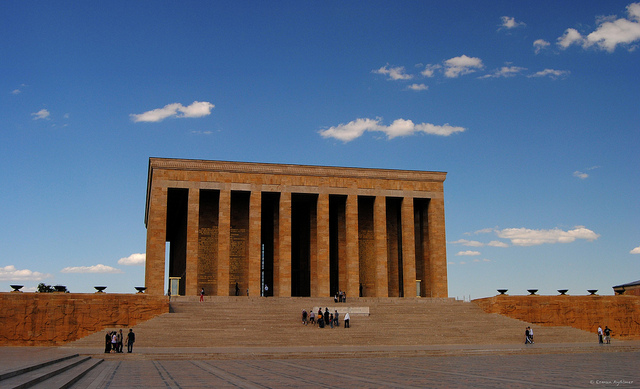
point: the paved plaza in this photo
(545, 366)
(593, 370)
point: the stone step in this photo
(59, 373)
(71, 376)
(246, 322)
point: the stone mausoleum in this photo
(234, 227)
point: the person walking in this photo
(131, 338)
(346, 320)
(527, 336)
(335, 318)
(201, 294)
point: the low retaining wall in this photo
(48, 319)
(621, 313)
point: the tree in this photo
(42, 288)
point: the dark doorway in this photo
(302, 206)
(177, 206)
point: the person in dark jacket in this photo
(131, 338)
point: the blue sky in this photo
(532, 107)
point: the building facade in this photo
(234, 228)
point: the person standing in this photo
(120, 341)
(600, 334)
(531, 335)
(114, 342)
(201, 294)
(107, 343)
(346, 320)
(527, 336)
(335, 318)
(131, 338)
(607, 335)
(237, 289)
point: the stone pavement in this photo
(591, 370)
(445, 366)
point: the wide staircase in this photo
(276, 322)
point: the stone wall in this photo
(48, 319)
(621, 313)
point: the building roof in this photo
(634, 283)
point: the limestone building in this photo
(233, 227)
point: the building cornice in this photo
(294, 170)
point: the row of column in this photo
(349, 261)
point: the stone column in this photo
(437, 248)
(193, 218)
(408, 248)
(224, 243)
(156, 241)
(352, 249)
(380, 233)
(282, 264)
(322, 266)
(255, 249)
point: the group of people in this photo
(114, 341)
(325, 318)
(604, 336)
(340, 297)
(528, 336)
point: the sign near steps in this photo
(364, 311)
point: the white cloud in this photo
(635, 251)
(510, 22)
(551, 73)
(462, 65)
(470, 243)
(475, 243)
(394, 73)
(609, 34)
(99, 268)
(400, 127)
(468, 253)
(133, 259)
(505, 71)
(430, 70)
(42, 114)
(10, 273)
(195, 110)
(580, 175)
(529, 237)
(540, 44)
(16, 92)
(484, 231)
(418, 87)
(571, 36)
